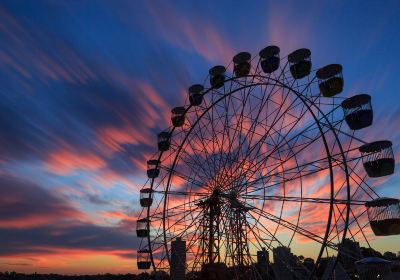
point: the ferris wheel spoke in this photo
(235, 157)
(355, 217)
(322, 161)
(200, 137)
(156, 216)
(347, 134)
(237, 130)
(278, 160)
(181, 175)
(181, 193)
(177, 222)
(337, 220)
(225, 131)
(293, 227)
(361, 228)
(245, 157)
(355, 177)
(206, 149)
(301, 199)
(279, 146)
(264, 101)
(343, 219)
(230, 129)
(267, 232)
(194, 224)
(355, 220)
(219, 119)
(269, 98)
(274, 122)
(296, 176)
(222, 158)
(198, 167)
(303, 102)
(295, 137)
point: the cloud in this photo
(95, 199)
(75, 236)
(34, 221)
(63, 161)
(24, 204)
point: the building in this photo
(263, 257)
(263, 263)
(284, 263)
(389, 256)
(350, 252)
(178, 259)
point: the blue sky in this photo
(86, 85)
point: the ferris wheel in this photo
(264, 155)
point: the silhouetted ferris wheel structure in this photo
(263, 156)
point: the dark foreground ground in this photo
(22, 276)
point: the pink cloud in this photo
(66, 160)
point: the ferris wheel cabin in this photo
(143, 259)
(384, 216)
(270, 59)
(300, 63)
(152, 168)
(217, 76)
(196, 94)
(242, 64)
(163, 141)
(330, 80)
(358, 111)
(142, 229)
(378, 158)
(146, 197)
(178, 116)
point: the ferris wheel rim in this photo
(338, 223)
(247, 86)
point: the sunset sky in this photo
(86, 85)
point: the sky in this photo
(86, 85)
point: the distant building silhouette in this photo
(284, 263)
(350, 253)
(178, 259)
(263, 257)
(263, 263)
(389, 256)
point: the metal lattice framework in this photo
(261, 157)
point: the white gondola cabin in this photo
(153, 169)
(300, 63)
(196, 94)
(378, 158)
(242, 64)
(384, 216)
(163, 141)
(373, 268)
(142, 229)
(178, 116)
(146, 197)
(270, 59)
(330, 80)
(143, 259)
(217, 76)
(358, 111)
